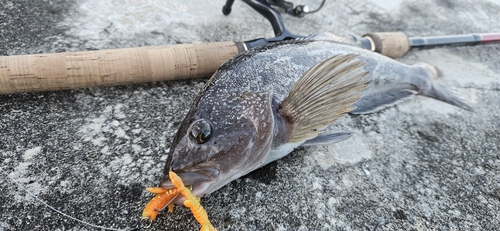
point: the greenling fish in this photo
(264, 103)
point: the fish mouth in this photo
(198, 180)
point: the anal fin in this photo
(327, 138)
(376, 101)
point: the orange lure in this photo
(163, 198)
(193, 203)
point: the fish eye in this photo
(201, 131)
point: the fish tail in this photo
(441, 92)
(444, 94)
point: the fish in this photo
(262, 104)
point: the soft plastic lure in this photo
(165, 197)
(193, 203)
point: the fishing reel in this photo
(265, 8)
(299, 11)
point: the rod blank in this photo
(397, 44)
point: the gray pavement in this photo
(421, 165)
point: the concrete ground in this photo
(90, 153)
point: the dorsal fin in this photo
(322, 95)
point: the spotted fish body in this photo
(239, 123)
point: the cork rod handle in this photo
(46, 72)
(391, 44)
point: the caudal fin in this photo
(443, 94)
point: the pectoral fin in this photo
(325, 93)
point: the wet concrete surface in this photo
(90, 153)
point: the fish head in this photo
(221, 139)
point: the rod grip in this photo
(391, 44)
(46, 72)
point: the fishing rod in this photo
(47, 72)
(397, 44)
(391, 44)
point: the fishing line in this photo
(61, 212)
